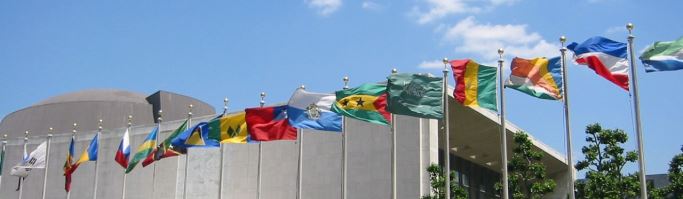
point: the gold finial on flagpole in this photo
(500, 53)
(346, 82)
(563, 39)
(189, 114)
(263, 96)
(302, 87)
(629, 27)
(99, 125)
(50, 130)
(394, 71)
(74, 129)
(26, 135)
(225, 105)
(445, 64)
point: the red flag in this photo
(269, 123)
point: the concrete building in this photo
(474, 151)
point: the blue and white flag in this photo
(605, 56)
(308, 110)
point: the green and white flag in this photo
(417, 95)
(663, 56)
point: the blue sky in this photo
(213, 49)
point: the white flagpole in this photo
(567, 127)
(73, 136)
(299, 181)
(344, 144)
(260, 154)
(445, 121)
(47, 161)
(220, 179)
(97, 162)
(4, 146)
(156, 142)
(21, 180)
(187, 155)
(636, 107)
(123, 187)
(393, 150)
(503, 134)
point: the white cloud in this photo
(614, 30)
(434, 64)
(369, 5)
(483, 40)
(324, 7)
(438, 9)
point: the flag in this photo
(606, 57)
(269, 123)
(144, 149)
(417, 95)
(2, 158)
(68, 165)
(307, 110)
(663, 56)
(194, 137)
(538, 77)
(90, 153)
(368, 102)
(229, 128)
(123, 151)
(35, 160)
(165, 149)
(475, 84)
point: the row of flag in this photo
(418, 95)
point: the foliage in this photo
(675, 189)
(438, 182)
(605, 159)
(526, 173)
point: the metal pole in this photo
(393, 150)
(73, 137)
(220, 179)
(260, 154)
(636, 107)
(447, 132)
(123, 187)
(503, 133)
(344, 144)
(47, 160)
(299, 181)
(567, 126)
(187, 155)
(156, 142)
(97, 162)
(21, 185)
(4, 146)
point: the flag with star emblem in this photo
(308, 110)
(368, 102)
(417, 95)
(229, 128)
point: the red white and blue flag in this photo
(269, 123)
(123, 152)
(606, 57)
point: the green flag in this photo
(417, 95)
(366, 102)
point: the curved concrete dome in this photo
(96, 95)
(87, 107)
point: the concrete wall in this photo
(369, 168)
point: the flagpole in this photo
(73, 136)
(447, 132)
(47, 160)
(187, 153)
(220, 179)
(503, 134)
(567, 129)
(344, 144)
(97, 162)
(260, 155)
(636, 107)
(4, 146)
(123, 187)
(156, 142)
(299, 181)
(393, 150)
(21, 180)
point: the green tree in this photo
(604, 161)
(675, 189)
(526, 173)
(437, 182)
